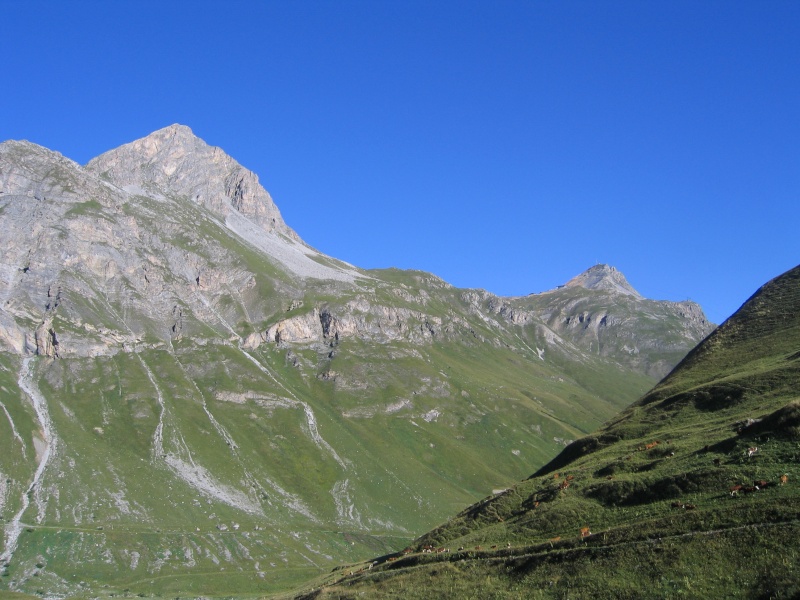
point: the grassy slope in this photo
(663, 519)
(120, 517)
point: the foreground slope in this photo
(691, 491)
(193, 400)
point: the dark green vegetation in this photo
(692, 491)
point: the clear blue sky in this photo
(507, 145)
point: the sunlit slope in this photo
(691, 491)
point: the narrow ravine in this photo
(311, 420)
(290, 500)
(14, 431)
(14, 526)
(158, 434)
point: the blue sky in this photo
(506, 145)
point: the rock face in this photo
(604, 278)
(175, 159)
(174, 357)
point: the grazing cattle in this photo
(735, 490)
(570, 477)
(784, 479)
(717, 462)
(564, 485)
(494, 546)
(677, 505)
(555, 476)
(760, 484)
(689, 506)
(535, 504)
(585, 532)
(478, 548)
(555, 539)
(508, 544)
(751, 451)
(651, 445)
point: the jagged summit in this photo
(174, 158)
(603, 277)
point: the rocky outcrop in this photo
(361, 319)
(46, 340)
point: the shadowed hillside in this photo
(691, 492)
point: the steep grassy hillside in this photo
(693, 491)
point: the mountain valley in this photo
(691, 491)
(196, 402)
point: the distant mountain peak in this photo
(603, 277)
(176, 160)
(175, 129)
(175, 134)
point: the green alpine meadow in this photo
(196, 403)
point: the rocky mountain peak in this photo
(173, 160)
(603, 277)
